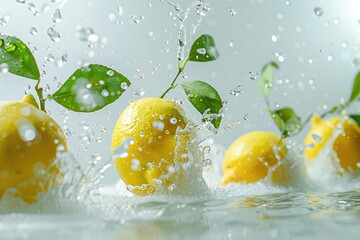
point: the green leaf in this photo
(205, 99)
(355, 89)
(18, 58)
(287, 121)
(266, 78)
(91, 88)
(203, 49)
(356, 118)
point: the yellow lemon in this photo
(346, 143)
(251, 156)
(149, 128)
(29, 139)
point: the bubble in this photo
(330, 58)
(318, 11)
(46, 88)
(21, 1)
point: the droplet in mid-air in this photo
(318, 11)
(57, 16)
(53, 34)
(33, 31)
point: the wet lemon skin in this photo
(21, 155)
(152, 124)
(346, 145)
(250, 158)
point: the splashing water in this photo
(182, 15)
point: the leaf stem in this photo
(180, 70)
(39, 91)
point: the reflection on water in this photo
(277, 216)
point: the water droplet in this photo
(84, 33)
(26, 129)
(33, 31)
(120, 10)
(173, 120)
(10, 47)
(4, 20)
(135, 164)
(50, 58)
(330, 58)
(57, 16)
(112, 17)
(316, 137)
(21, 1)
(124, 85)
(246, 116)
(96, 157)
(140, 92)
(53, 34)
(46, 87)
(336, 21)
(236, 91)
(318, 11)
(4, 68)
(232, 11)
(105, 93)
(25, 111)
(27, 89)
(252, 76)
(158, 125)
(110, 73)
(201, 51)
(274, 38)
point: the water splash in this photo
(182, 15)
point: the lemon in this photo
(149, 129)
(346, 134)
(252, 156)
(28, 143)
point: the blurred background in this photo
(315, 42)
